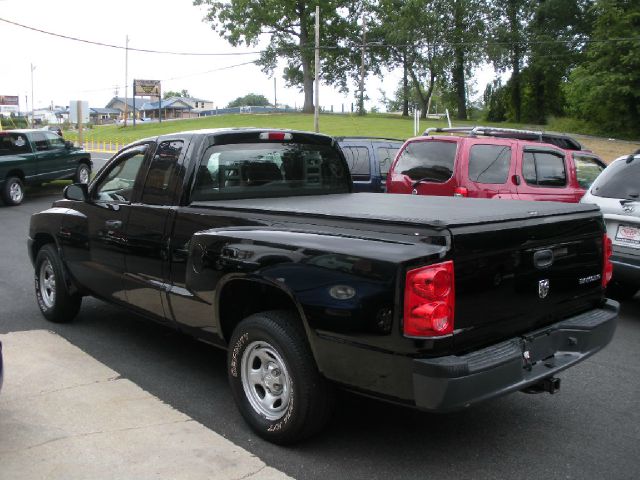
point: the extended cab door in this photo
(52, 156)
(544, 175)
(148, 231)
(94, 238)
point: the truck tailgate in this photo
(518, 276)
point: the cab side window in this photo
(40, 141)
(55, 141)
(117, 184)
(161, 177)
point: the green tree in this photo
(467, 28)
(251, 99)
(182, 94)
(412, 32)
(508, 43)
(557, 33)
(605, 89)
(290, 27)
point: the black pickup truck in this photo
(251, 240)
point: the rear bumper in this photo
(626, 267)
(454, 382)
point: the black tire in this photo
(13, 191)
(52, 292)
(621, 291)
(303, 398)
(83, 173)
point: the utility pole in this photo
(316, 112)
(275, 94)
(33, 109)
(364, 41)
(126, 80)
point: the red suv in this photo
(494, 163)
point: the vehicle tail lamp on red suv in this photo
(607, 266)
(429, 301)
(461, 192)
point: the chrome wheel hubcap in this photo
(15, 192)
(47, 282)
(265, 380)
(84, 175)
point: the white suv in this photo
(617, 192)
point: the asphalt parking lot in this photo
(589, 430)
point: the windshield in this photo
(248, 170)
(621, 179)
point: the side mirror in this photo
(68, 144)
(76, 191)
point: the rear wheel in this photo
(52, 291)
(83, 173)
(13, 191)
(274, 378)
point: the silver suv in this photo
(617, 192)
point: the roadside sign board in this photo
(149, 88)
(8, 100)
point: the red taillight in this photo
(461, 192)
(607, 266)
(429, 301)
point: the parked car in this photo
(252, 240)
(369, 160)
(33, 157)
(617, 192)
(494, 163)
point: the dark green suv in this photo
(33, 157)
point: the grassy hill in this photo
(376, 125)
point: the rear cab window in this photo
(270, 169)
(428, 161)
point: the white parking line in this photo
(64, 415)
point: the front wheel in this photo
(274, 378)
(13, 191)
(83, 173)
(52, 293)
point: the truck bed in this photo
(433, 211)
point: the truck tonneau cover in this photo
(410, 209)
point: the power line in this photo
(228, 67)
(120, 47)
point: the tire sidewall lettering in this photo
(237, 348)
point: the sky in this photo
(70, 70)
